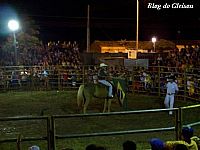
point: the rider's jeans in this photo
(109, 85)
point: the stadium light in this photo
(13, 25)
(154, 43)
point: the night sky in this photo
(110, 19)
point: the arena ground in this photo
(47, 103)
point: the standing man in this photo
(102, 76)
(172, 89)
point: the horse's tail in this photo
(80, 96)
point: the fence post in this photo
(53, 138)
(83, 73)
(59, 78)
(133, 80)
(179, 123)
(159, 80)
(185, 84)
(125, 105)
(19, 140)
(49, 132)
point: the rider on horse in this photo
(102, 76)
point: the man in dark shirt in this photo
(102, 76)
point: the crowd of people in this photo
(40, 63)
(183, 64)
(66, 54)
(185, 58)
(71, 73)
(188, 141)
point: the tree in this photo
(165, 45)
(27, 39)
(160, 45)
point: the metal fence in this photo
(188, 81)
(52, 121)
(147, 81)
(21, 138)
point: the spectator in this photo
(91, 147)
(34, 147)
(157, 144)
(73, 78)
(197, 140)
(15, 81)
(129, 145)
(187, 133)
(159, 60)
(45, 78)
(190, 86)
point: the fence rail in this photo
(28, 118)
(60, 78)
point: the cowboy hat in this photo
(103, 65)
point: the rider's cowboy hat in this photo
(103, 65)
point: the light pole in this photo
(154, 43)
(13, 25)
(88, 28)
(137, 27)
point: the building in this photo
(122, 46)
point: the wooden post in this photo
(49, 132)
(185, 84)
(159, 81)
(179, 118)
(133, 80)
(83, 73)
(19, 139)
(59, 78)
(53, 138)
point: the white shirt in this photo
(45, 73)
(172, 88)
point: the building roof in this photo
(96, 45)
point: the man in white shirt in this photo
(172, 89)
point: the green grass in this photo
(49, 103)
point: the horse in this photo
(88, 91)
